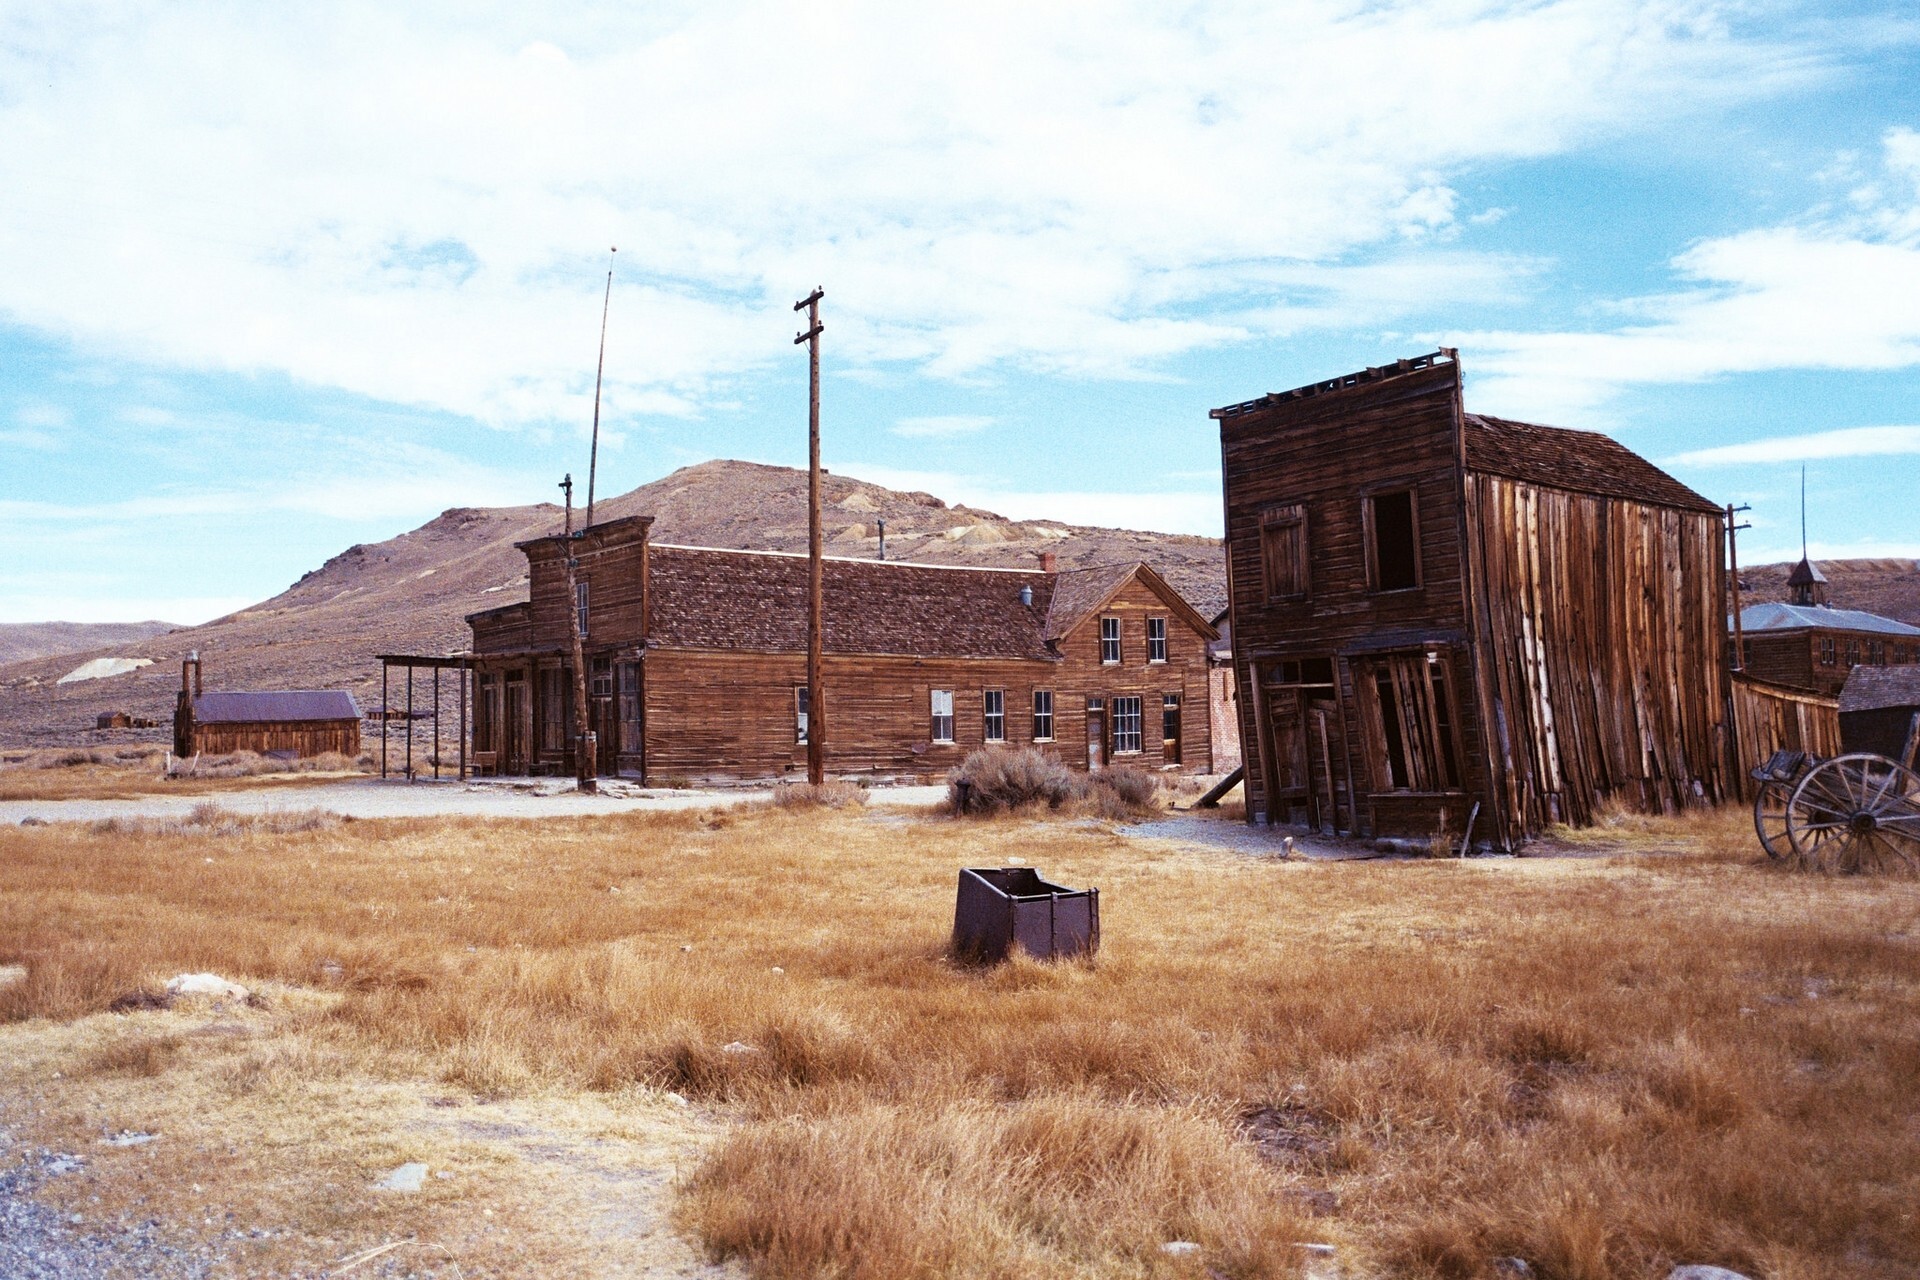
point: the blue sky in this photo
(276, 282)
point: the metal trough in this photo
(998, 908)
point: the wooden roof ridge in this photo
(1075, 602)
(801, 555)
(619, 524)
(1361, 377)
(1574, 460)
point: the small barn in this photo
(290, 722)
(1880, 712)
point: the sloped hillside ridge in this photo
(411, 594)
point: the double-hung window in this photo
(1126, 725)
(1043, 715)
(1828, 655)
(993, 710)
(1156, 639)
(580, 604)
(801, 706)
(942, 706)
(1110, 641)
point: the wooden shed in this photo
(293, 722)
(1880, 712)
(1441, 617)
(696, 663)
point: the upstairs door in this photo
(1096, 734)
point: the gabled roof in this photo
(280, 704)
(1805, 574)
(1582, 461)
(1773, 616)
(1079, 594)
(705, 598)
(1871, 688)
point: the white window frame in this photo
(1109, 642)
(940, 705)
(802, 702)
(1043, 718)
(993, 715)
(1156, 642)
(1123, 711)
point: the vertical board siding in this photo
(1767, 718)
(305, 738)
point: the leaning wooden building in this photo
(1440, 617)
(696, 663)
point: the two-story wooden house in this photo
(696, 661)
(1441, 617)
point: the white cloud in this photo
(941, 426)
(411, 203)
(1848, 442)
(1164, 511)
(1834, 290)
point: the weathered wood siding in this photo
(1328, 453)
(612, 564)
(305, 737)
(1604, 650)
(1183, 673)
(1768, 718)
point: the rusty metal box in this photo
(998, 908)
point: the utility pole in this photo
(816, 704)
(1733, 562)
(593, 458)
(585, 747)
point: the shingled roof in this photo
(1078, 592)
(1583, 461)
(278, 705)
(1871, 688)
(703, 598)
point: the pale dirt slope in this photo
(21, 641)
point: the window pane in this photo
(1156, 639)
(801, 705)
(994, 707)
(1109, 639)
(942, 705)
(1042, 715)
(1126, 724)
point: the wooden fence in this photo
(1769, 718)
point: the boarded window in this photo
(580, 604)
(1156, 639)
(993, 714)
(942, 706)
(1413, 724)
(1043, 715)
(1126, 725)
(1283, 551)
(1393, 541)
(800, 708)
(1827, 655)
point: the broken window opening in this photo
(1393, 542)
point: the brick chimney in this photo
(1048, 562)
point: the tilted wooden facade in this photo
(1434, 610)
(697, 666)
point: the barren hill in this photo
(1890, 588)
(411, 593)
(20, 641)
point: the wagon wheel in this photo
(1856, 813)
(1770, 818)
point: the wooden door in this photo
(518, 727)
(1289, 773)
(1096, 735)
(1170, 728)
(1326, 767)
(606, 729)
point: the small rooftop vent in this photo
(1026, 596)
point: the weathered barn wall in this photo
(1769, 718)
(1603, 647)
(305, 738)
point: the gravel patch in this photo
(40, 1243)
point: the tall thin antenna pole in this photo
(593, 458)
(816, 706)
(1803, 511)
(585, 745)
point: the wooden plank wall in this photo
(307, 737)
(1768, 718)
(1328, 451)
(1605, 649)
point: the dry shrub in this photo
(209, 819)
(138, 1054)
(77, 979)
(1001, 779)
(251, 764)
(1024, 779)
(826, 795)
(1056, 1185)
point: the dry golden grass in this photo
(1601, 1065)
(119, 773)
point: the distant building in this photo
(1225, 716)
(289, 722)
(1880, 712)
(1437, 613)
(1813, 646)
(696, 663)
